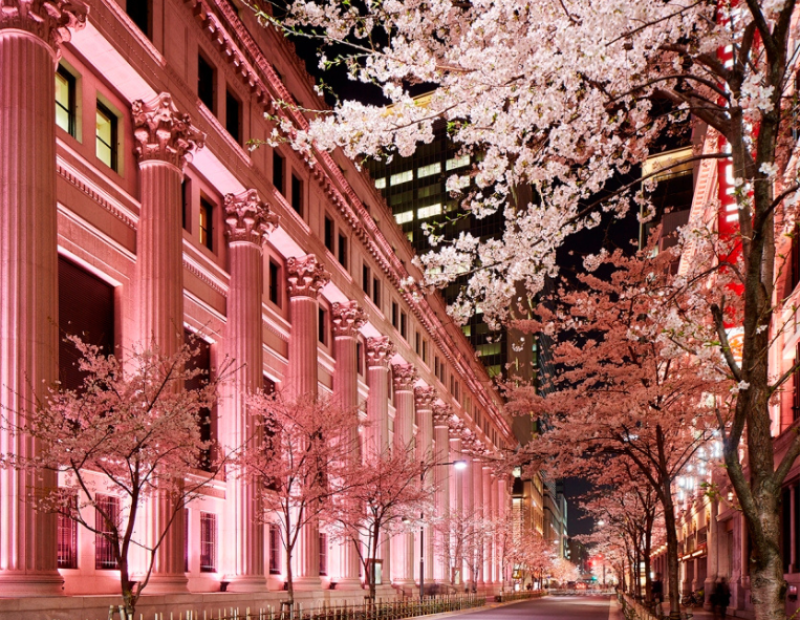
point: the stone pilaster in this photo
(441, 477)
(164, 141)
(456, 491)
(306, 277)
(404, 377)
(468, 505)
(424, 397)
(31, 34)
(488, 514)
(248, 222)
(480, 511)
(348, 318)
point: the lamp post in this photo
(459, 465)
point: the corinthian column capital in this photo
(306, 276)
(442, 415)
(52, 20)
(379, 352)
(404, 377)
(424, 395)
(163, 133)
(248, 218)
(348, 318)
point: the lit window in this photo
(323, 554)
(404, 217)
(206, 222)
(401, 177)
(274, 550)
(457, 162)
(68, 538)
(65, 100)
(106, 136)
(429, 170)
(208, 542)
(380, 183)
(430, 211)
(106, 521)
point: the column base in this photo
(307, 584)
(167, 584)
(246, 584)
(349, 584)
(16, 585)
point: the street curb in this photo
(615, 610)
(474, 610)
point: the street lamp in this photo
(458, 465)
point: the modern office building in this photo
(132, 209)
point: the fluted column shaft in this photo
(348, 318)
(404, 376)
(480, 515)
(468, 508)
(500, 509)
(423, 401)
(29, 47)
(248, 221)
(441, 476)
(379, 352)
(456, 502)
(165, 140)
(488, 508)
(306, 278)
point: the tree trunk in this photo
(672, 553)
(128, 597)
(767, 583)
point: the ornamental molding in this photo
(248, 218)
(53, 21)
(306, 276)
(163, 133)
(347, 318)
(424, 396)
(442, 415)
(379, 351)
(404, 376)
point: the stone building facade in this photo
(134, 208)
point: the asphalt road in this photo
(548, 608)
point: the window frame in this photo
(231, 97)
(279, 164)
(298, 202)
(72, 101)
(103, 550)
(113, 119)
(274, 282)
(208, 548)
(203, 59)
(205, 234)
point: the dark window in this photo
(233, 116)
(403, 324)
(277, 171)
(297, 195)
(201, 360)
(106, 521)
(205, 82)
(360, 358)
(343, 250)
(186, 540)
(322, 326)
(796, 391)
(186, 194)
(323, 554)
(376, 292)
(395, 311)
(328, 233)
(68, 538)
(85, 309)
(274, 283)
(417, 340)
(365, 277)
(106, 136)
(205, 223)
(208, 542)
(274, 550)
(65, 101)
(139, 11)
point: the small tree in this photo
(383, 496)
(563, 571)
(455, 542)
(301, 454)
(130, 435)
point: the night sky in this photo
(611, 234)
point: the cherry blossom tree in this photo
(128, 437)
(382, 496)
(462, 534)
(561, 96)
(624, 402)
(563, 571)
(302, 452)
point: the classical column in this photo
(248, 222)
(456, 494)
(480, 513)
(348, 318)
(164, 142)
(468, 505)
(31, 34)
(501, 483)
(488, 514)
(306, 277)
(441, 477)
(379, 352)
(423, 404)
(404, 377)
